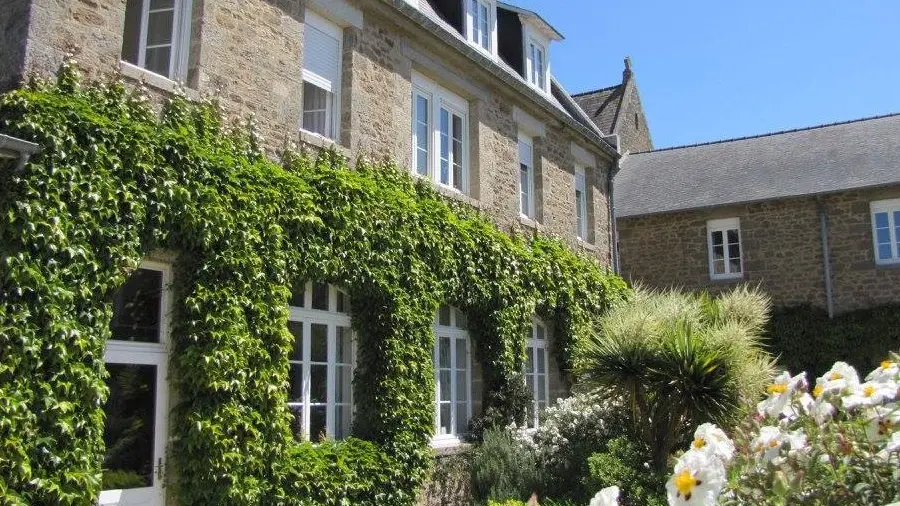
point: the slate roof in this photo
(817, 160)
(602, 106)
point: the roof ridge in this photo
(591, 92)
(771, 134)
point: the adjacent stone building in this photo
(812, 215)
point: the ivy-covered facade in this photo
(165, 258)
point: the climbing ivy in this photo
(116, 180)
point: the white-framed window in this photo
(481, 23)
(537, 67)
(580, 204)
(156, 36)
(526, 176)
(322, 49)
(725, 256)
(453, 376)
(136, 409)
(440, 137)
(536, 377)
(886, 231)
(320, 394)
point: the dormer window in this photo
(536, 66)
(481, 24)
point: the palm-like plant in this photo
(680, 360)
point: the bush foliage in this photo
(115, 181)
(805, 339)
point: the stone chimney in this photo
(626, 74)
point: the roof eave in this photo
(536, 19)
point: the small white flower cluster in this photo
(699, 473)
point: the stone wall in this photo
(631, 126)
(782, 250)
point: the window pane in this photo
(525, 189)
(159, 27)
(343, 302)
(341, 422)
(529, 360)
(734, 251)
(540, 333)
(462, 391)
(344, 346)
(444, 316)
(719, 266)
(137, 308)
(446, 389)
(298, 292)
(735, 266)
(343, 384)
(529, 382)
(541, 360)
(317, 113)
(483, 27)
(884, 252)
(542, 388)
(320, 296)
(296, 328)
(444, 353)
(462, 320)
(717, 237)
(462, 419)
(157, 60)
(458, 177)
(161, 4)
(318, 383)
(444, 422)
(461, 362)
(733, 236)
(881, 220)
(296, 420)
(318, 342)
(295, 383)
(445, 147)
(132, 33)
(317, 423)
(421, 135)
(883, 235)
(718, 253)
(130, 426)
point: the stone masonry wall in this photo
(782, 250)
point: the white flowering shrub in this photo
(837, 443)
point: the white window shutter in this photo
(322, 59)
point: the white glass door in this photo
(137, 407)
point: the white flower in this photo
(883, 421)
(889, 370)
(820, 409)
(781, 394)
(696, 480)
(797, 441)
(767, 445)
(841, 377)
(871, 393)
(892, 447)
(708, 438)
(609, 496)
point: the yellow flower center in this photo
(884, 427)
(817, 391)
(773, 443)
(777, 388)
(887, 364)
(699, 443)
(685, 483)
(869, 391)
(834, 376)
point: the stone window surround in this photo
(533, 133)
(889, 207)
(723, 225)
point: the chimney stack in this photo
(626, 74)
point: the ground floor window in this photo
(536, 377)
(321, 363)
(136, 410)
(453, 375)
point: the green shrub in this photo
(503, 469)
(679, 360)
(803, 338)
(626, 464)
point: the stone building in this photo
(810, 215)
(461, 92)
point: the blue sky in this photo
(710, 70)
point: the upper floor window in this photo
(536, 378)
(536, 63)
(526, 176)
(480, 23)
(886, 231)
(453, 375)
(321, 76)
(157, 36)
(321, 363)
(724, 237)
(440, 135)
(580, 204)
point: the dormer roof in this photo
(534, 19)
